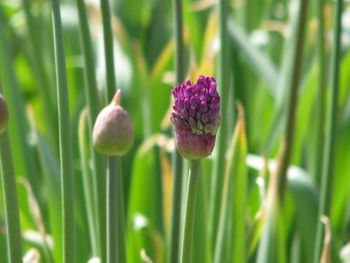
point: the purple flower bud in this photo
(4, 115)
(196, 117)
(113, 134)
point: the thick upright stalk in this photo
(65, 139)
(110, 78)
(115, 212)
(287, 145)
(93, 109)
(108, 48)
(320, 101)
(13, 228)
(191, 201)
(329, 151)
(223, 87)
(174, 244)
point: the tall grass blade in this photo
(13, 228)
(93, 109)
(321, 100)
(109, 93)
(223, 87)
(293, 85)
(65, 139)
(23, 155)
(329, 150)
(115, 215)
(36, 46)
(108, 49)
(271, 236)
(84, 147)
(177, 162)
(234, 194)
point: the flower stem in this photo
(115, 212)
(110, 90)
(65, 139)
(174, 242)
(13, 229)
(191, 200)
(93, 109)
(329, 150)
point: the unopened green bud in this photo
(4, 115)
(113, 134)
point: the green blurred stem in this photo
(320, 101)
(271, 236)
(223, 87)
(110, 85)
(287, 145)
(16, 105)
(93, 108)
(65, 139)
(108, 47)
(329, 150)
(191, 201)
(39, 70)
(115, 212)
(88, 189)
(177, 184)
(13, 229)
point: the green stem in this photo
(13, 228)
(268, 246)
(86, 175)
(329, 150)
(191, 201)
(16, 105)
(110, 87)
(93, 109)
(287, 145)
(223, 87)
(116, 252)
(65, 139)
(108, 48)
(320, 101)
(174, 241)
(39, 71)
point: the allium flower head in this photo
(3, 114)
(196, 117)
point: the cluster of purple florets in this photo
(197, 106)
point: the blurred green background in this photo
(260, 41)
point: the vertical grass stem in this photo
(329, 150)
(174, 241)
(13, 229)
(223, 86)
(65, 139)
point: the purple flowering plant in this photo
(196, 117)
